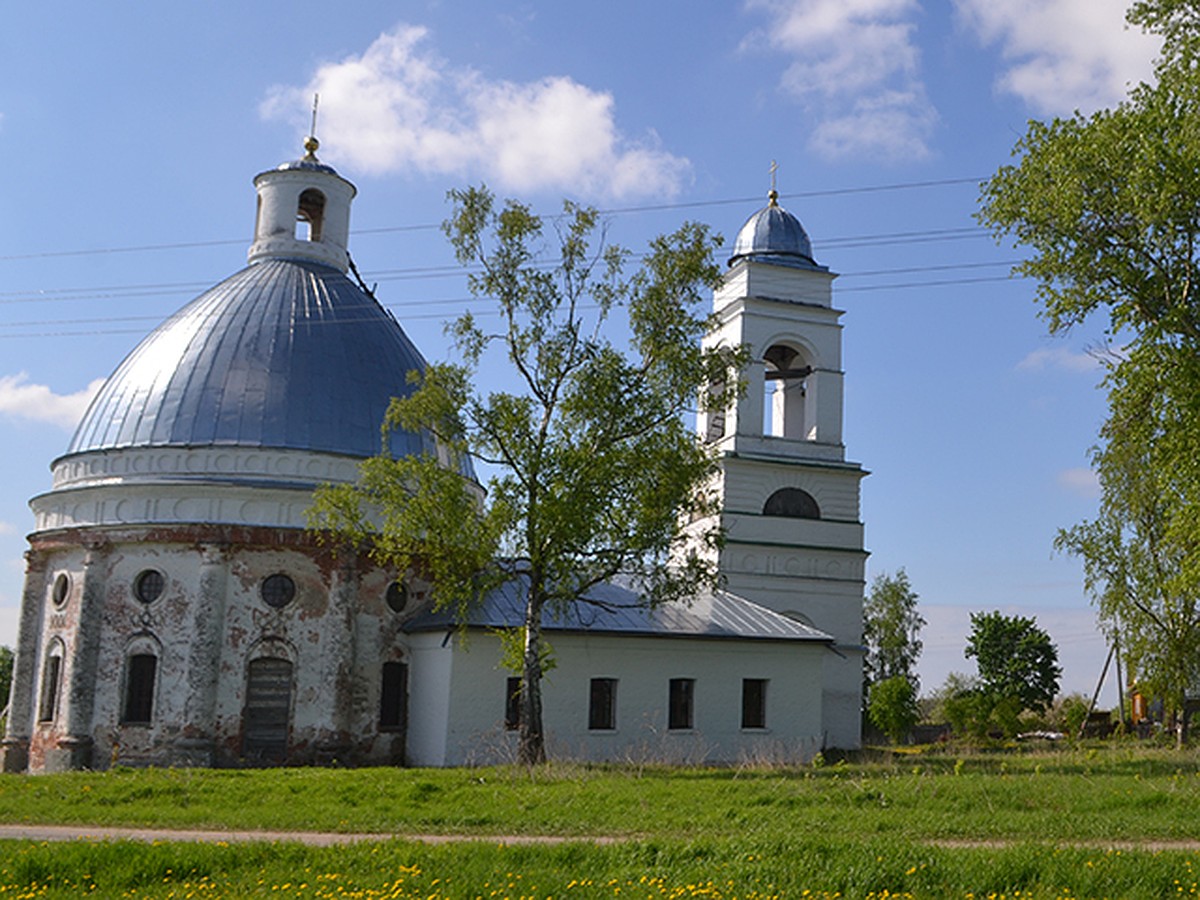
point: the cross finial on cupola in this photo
(311, 143)
(773, 196)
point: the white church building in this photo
(176, 611)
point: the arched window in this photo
(141, 670)
(393, 697)
(792, 503)
(51, 682)
(267, 714)
(311, 212)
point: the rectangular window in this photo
(512, 704)
(48, 706)
(393, 697)
(754, 703)
(602, 704)
(680, 703)
(139, 689)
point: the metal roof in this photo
(774, 235)
(308, 164)
(618, 610)
(284, 354)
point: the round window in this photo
(278, 590)
(148, 586)
(62, 587)
(397, 596)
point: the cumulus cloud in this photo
(1058, 358)
(1063, 55)
(1080, 481)
(399, 107)
(37, 403)
(856, 54)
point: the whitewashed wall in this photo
(643, 667)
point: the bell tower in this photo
(788, 499)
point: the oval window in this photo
(278, 590)
(148, 586)
(397, 596)
(62, 589)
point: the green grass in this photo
(1071, 823)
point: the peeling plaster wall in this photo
(205, 628)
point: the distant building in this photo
(176, 612)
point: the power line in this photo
(416, 273)
(145, 291)
(628, 210)
(403, 311)
(924, 284)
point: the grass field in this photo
(1115, 821)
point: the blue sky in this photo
(129, 135)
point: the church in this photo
(176, 611)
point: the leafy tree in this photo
(1141, 554)
(891, 624)
(1016, 659)
(971, 709)
(1069, 713)
(935, 704)
(892, 706)
(1109, 205)
(597, 472)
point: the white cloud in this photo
(1059, 358)
(1080, 481)
(399, 107)
(1063, 54)
(7, 527)
(892, 125)
(859, 54)
(37, 403)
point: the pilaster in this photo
(22, 694)
(197, 744)
(74, 751)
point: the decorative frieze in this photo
(788, 563)
(172, 503)
(159, 464)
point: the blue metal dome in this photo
(284, 354)
(774, 235)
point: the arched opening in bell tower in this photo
(310, 214)
(785, 393)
